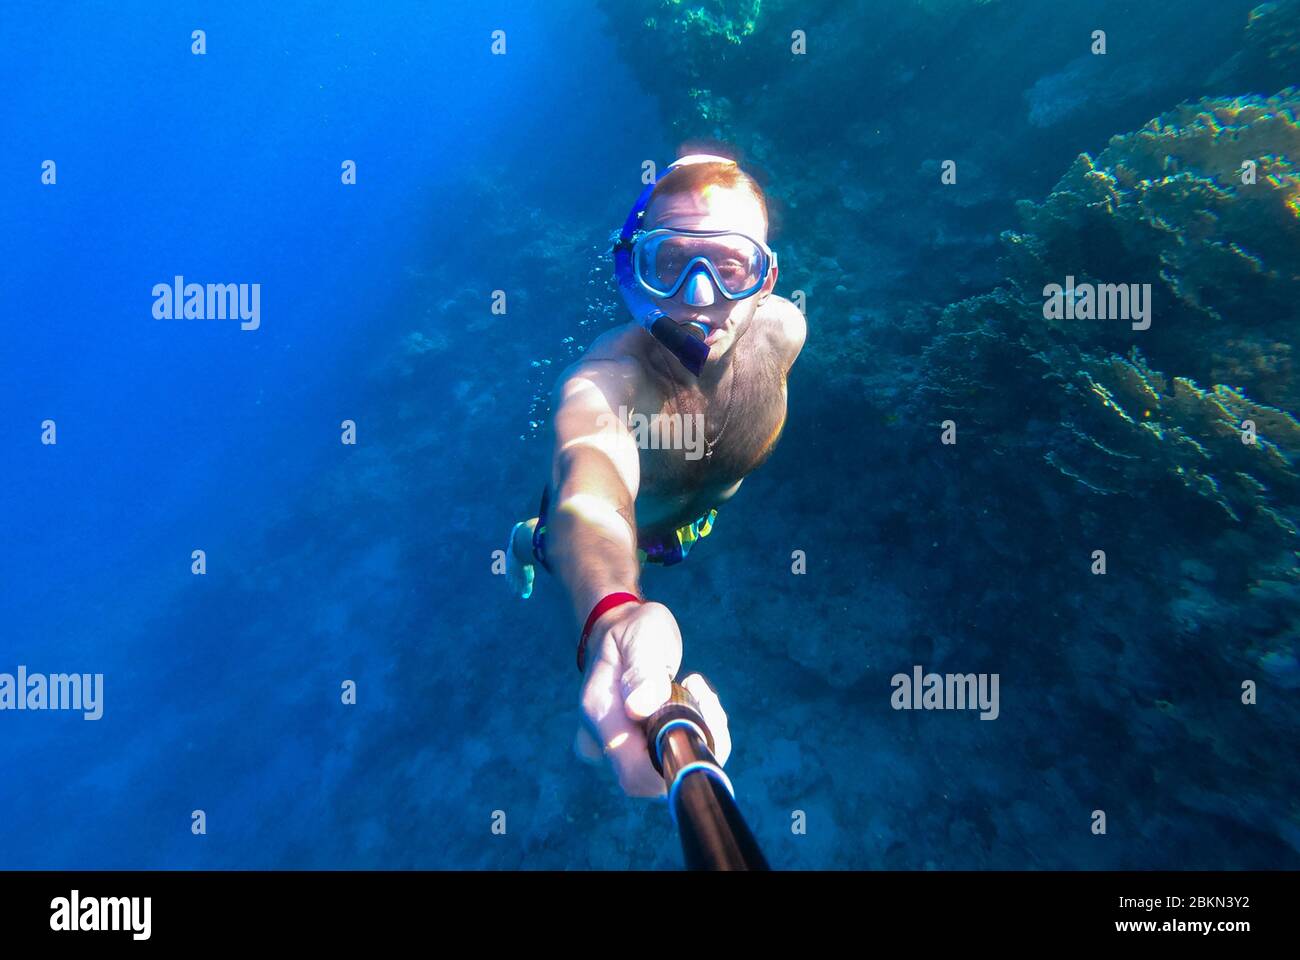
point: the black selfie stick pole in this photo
(714, 834)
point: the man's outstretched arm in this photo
(595, 474)
(635, 648)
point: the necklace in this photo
(731, 395)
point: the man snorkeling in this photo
(709, 341)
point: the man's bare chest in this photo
(715, 441)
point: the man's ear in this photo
(768, 285)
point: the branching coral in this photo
(1170, 205)
(1220, 444)
(1206, 197)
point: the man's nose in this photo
(698, 290)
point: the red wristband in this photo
(603, 606)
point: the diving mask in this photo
(665, 261)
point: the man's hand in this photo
(634, 652)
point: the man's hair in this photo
(694, 177)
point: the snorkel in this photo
(689, 350)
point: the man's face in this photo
(713, 208)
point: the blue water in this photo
(372, 563)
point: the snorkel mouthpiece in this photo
(689, 350)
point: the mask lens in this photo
(736, 260)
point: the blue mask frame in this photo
(767, 265)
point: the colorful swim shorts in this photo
(665, 550)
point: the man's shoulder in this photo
(614, 360)
(622, 344)
(619, 351)
(786, 327)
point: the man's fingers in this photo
(624, 743)
(645, 693)
(619, 736)
(714, 716)
(631, 759)
(651, 656)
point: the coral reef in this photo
(1165, 206)
(1148, 428)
